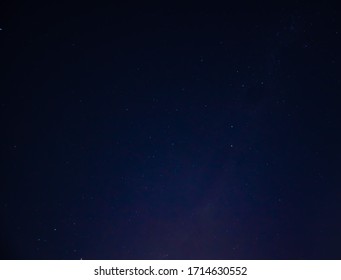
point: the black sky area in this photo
(170, 131)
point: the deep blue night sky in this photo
(170, 132)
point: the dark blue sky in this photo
(170, 132)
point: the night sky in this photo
(170, 131)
